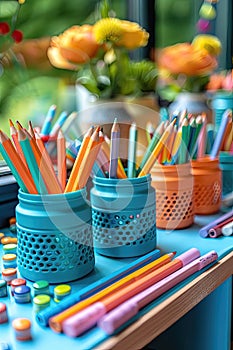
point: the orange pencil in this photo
(61, 159)
(88, 160)
(77, 163)
(227, 137)
(31, 130)
(46, 176)
(57, 321)
(44, 153)
(19, 170)
(14, 136)
(158, 148)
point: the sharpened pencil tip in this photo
(11, 122)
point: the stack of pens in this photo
(223, 226)
(111, 303)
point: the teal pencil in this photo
(199, 124)
(210, 135)
(13, 170)
(31, 161)
(46, 127)
(184, 142)
(155, 139)
(133, 136)
(192, 131)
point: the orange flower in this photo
(186, 59)
(76, 45)
(216, 82)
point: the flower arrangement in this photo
(221, 81)
(9, 34)
(186, 67)
(99, 53)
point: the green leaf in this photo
(8, 8)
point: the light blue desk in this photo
(208, 294)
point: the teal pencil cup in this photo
(123, 216)
(226, 165)
(54, 236)
(221, 101)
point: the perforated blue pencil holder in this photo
(123, 216)
(54, 236)
(226, 165)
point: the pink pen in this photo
(121, 314)
(88, 317)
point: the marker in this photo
(88, 317)
(204, 231)
(123, 313)
(57, 126)
(43, 317)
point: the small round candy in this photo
(22, 294)
(9, 240)
(40, 302)
(22, 327)
(61, 292)
(10, 248)
(41, 287)
(9, 260)
(1, 236)
(3, 313)
(9, 274)
(16, 283)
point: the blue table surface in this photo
(167, 241)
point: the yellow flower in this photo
(121, 33)
(208, 42)
(75, 46)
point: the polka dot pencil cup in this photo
(174, 195)
(123, 216)
(54, 236)
(207, 185)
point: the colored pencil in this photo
(59, 123)
(205, 230)
(43, 316)
(88, 317)
(61, 159)
(88, 160)
(14, 136)
(47, 125)
(77, 163)
(114, 149)
(158, 148)
(132, 149)
(15, 163)
(123, 313)
(106, 148)
(56, 323)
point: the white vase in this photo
(95, 111)
(194, 103)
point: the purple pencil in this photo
(114, 149)
(123, 313)
(204, 231)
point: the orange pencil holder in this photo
(207, 185)
(174, 195)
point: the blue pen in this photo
(57, 126)
(44, 316)
(46, 127)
